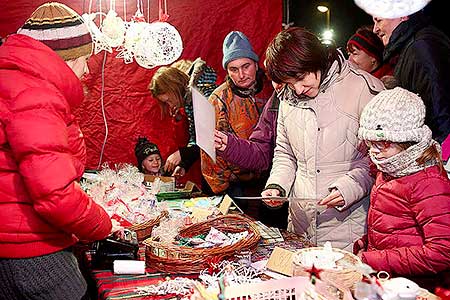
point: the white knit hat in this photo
(391, 9)
(395, 115)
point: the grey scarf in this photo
(405, 162)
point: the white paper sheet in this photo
(205, 123)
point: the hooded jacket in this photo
(317, 149)
(42, 153)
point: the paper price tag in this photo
(280, 261)
(225, 205)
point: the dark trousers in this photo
(54, 276)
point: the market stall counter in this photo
(109, 286)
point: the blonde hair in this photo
(183, 65)
(169, 80)
(431, 153)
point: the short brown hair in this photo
(295, 52)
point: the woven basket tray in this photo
(187, 260)
(344, 278)
(144, 230)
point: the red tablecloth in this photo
(113, 287)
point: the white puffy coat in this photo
(317, 149)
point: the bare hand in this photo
(116, 228)
(272, 202)
(179, 171)
(333, 199)
(172, 161)
(220, 140)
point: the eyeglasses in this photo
(378, 145)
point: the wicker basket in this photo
(144, 230)
(344, 278)
(187, 260)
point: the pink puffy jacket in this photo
(408, 230)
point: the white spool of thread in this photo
(129, 267)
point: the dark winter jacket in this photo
(256, 153)
(423, 67)
(42, 207)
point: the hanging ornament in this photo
(146, 49)
(133, 31)
(151, 45)
(161, 44)
(98, 38)
(113, 27)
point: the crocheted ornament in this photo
(113, 27)
(98, 37)
(144, 47)
(391, 9)
(160, 44)
(133, 35)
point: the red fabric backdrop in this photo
(128, 107)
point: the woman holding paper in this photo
(171, 87)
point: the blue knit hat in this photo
(236, 45)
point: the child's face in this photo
(383, 149)
(168, 98)
(152, 164)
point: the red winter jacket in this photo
(408, 231)
(42, 153)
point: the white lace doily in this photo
(324, 258)
(391, 9)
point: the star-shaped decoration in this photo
(314, 273)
